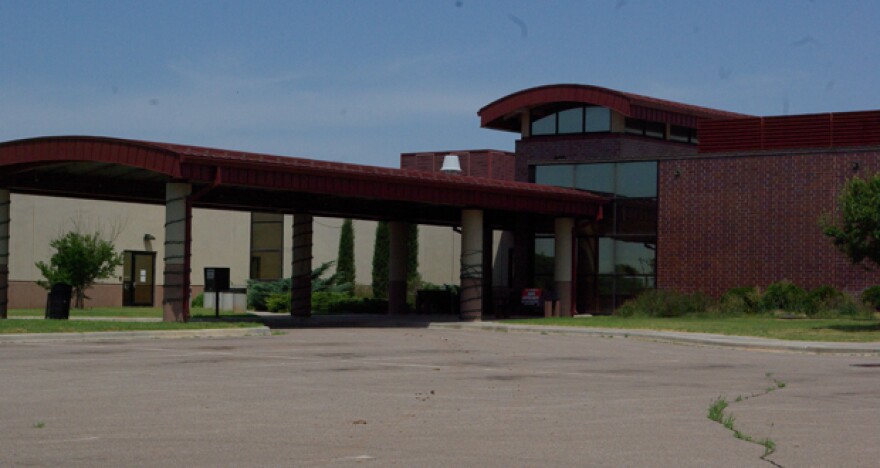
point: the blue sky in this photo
(363, 81)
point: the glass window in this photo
(635, 126)
(606, 255)
(545, 262)
(655, 129)
(633, 258)
(544, 125)
(559, 174)
(595, 177)
(637, 179)
(681, 134)
(267, 245)
(598, 119)
(571, 120)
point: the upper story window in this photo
(683, 134)
(646, 128)
(589, 119)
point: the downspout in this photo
(187, 246)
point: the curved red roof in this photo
(249, 173)
(501, 114)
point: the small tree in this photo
(858, 234)
(345, 272)
(413, 279)
(79, 260)
(380, 261)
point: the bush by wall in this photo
(871, 297)
(781, 298)
(660, 303)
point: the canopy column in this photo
(4, 251)
(301, 282)
(564, 228)
(175, 288)
(471, 264)
(398, 241)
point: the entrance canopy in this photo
(137, 171)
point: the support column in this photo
(471, 264)
(175, 288)
(4, 251)
(564, 228)
(301, 282)
(397, 252)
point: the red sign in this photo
(531, 297)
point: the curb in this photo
(704, 339)
(152, 334)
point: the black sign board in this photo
(216, 279)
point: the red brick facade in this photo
(752, 219)
(491, 164)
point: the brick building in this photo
(702, 199)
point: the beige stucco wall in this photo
(221, 238)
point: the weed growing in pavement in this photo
(39, 425)
(716, 413)
(716, 409)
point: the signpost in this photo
(216, 281)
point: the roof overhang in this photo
(504, 113)
(137, 171)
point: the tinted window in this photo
(637, 179)
(571, 120)
(560, 175)
(598, 119)
(545, 125)
(595, 177)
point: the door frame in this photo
(128, 292)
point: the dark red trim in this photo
(633, 105)
(821, 131)
(268, 172)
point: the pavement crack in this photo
(717, 413)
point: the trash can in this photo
(58, 302)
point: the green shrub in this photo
(740, 301)
(323, 300)
(871, 297)
(199, 301)
(661, 303)
(787, 296)
(359, 305)
(278, 302)
(259, 291)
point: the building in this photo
(651, 193)
(701, 199)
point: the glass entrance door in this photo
(138, 278)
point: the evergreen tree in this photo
(380, 261)
(413, 279)
(345, 272)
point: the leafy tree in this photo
(380, 261)
(345, 272)
(858, 234)
(413, 279)
(80, 260)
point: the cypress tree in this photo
(412, 258)
(380, 261)
(345, 272)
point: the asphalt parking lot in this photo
(426, 397)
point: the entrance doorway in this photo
(138, 274)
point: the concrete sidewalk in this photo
(728, 341)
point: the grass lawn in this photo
(132, 312)
(847, 330)
(13, 325)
